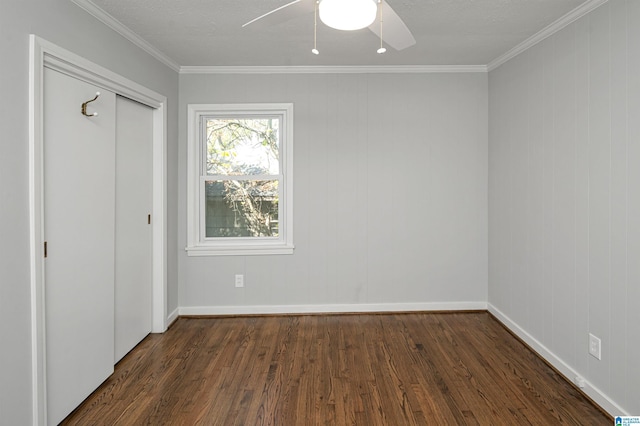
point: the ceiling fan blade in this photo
(282, 14)
(394, 31)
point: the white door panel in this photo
(79, 224)
(133, 281)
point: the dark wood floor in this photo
(404, 369)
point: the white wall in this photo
(390, 177)
(66, 25)
(564, 198)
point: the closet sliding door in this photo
(79, 225)
(133, 281)
(97, 172)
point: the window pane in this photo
(241, 208)
(242, 146)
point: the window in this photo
(240, 194)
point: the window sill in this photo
(246, 250)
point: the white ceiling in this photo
(448, 32)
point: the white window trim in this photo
(197, 245)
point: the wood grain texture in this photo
(396, 369)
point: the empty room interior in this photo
(319, 212)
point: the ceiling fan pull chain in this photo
(315, 30)
(382, 49)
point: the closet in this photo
(97, 227)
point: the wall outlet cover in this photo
(239, 280)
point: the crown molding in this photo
(548, 31)
(125, 32)
(381, 69)
(134, 38)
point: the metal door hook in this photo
(84, 106)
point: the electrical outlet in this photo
(239, 280)
(595, 346)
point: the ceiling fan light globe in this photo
(348, 15)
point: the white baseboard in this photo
(173, 316)
(335, 308)
(565, 369)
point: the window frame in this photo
(197, 242)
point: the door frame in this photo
(45, 54)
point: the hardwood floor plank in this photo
(392, 369)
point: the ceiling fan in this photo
(345, 15)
